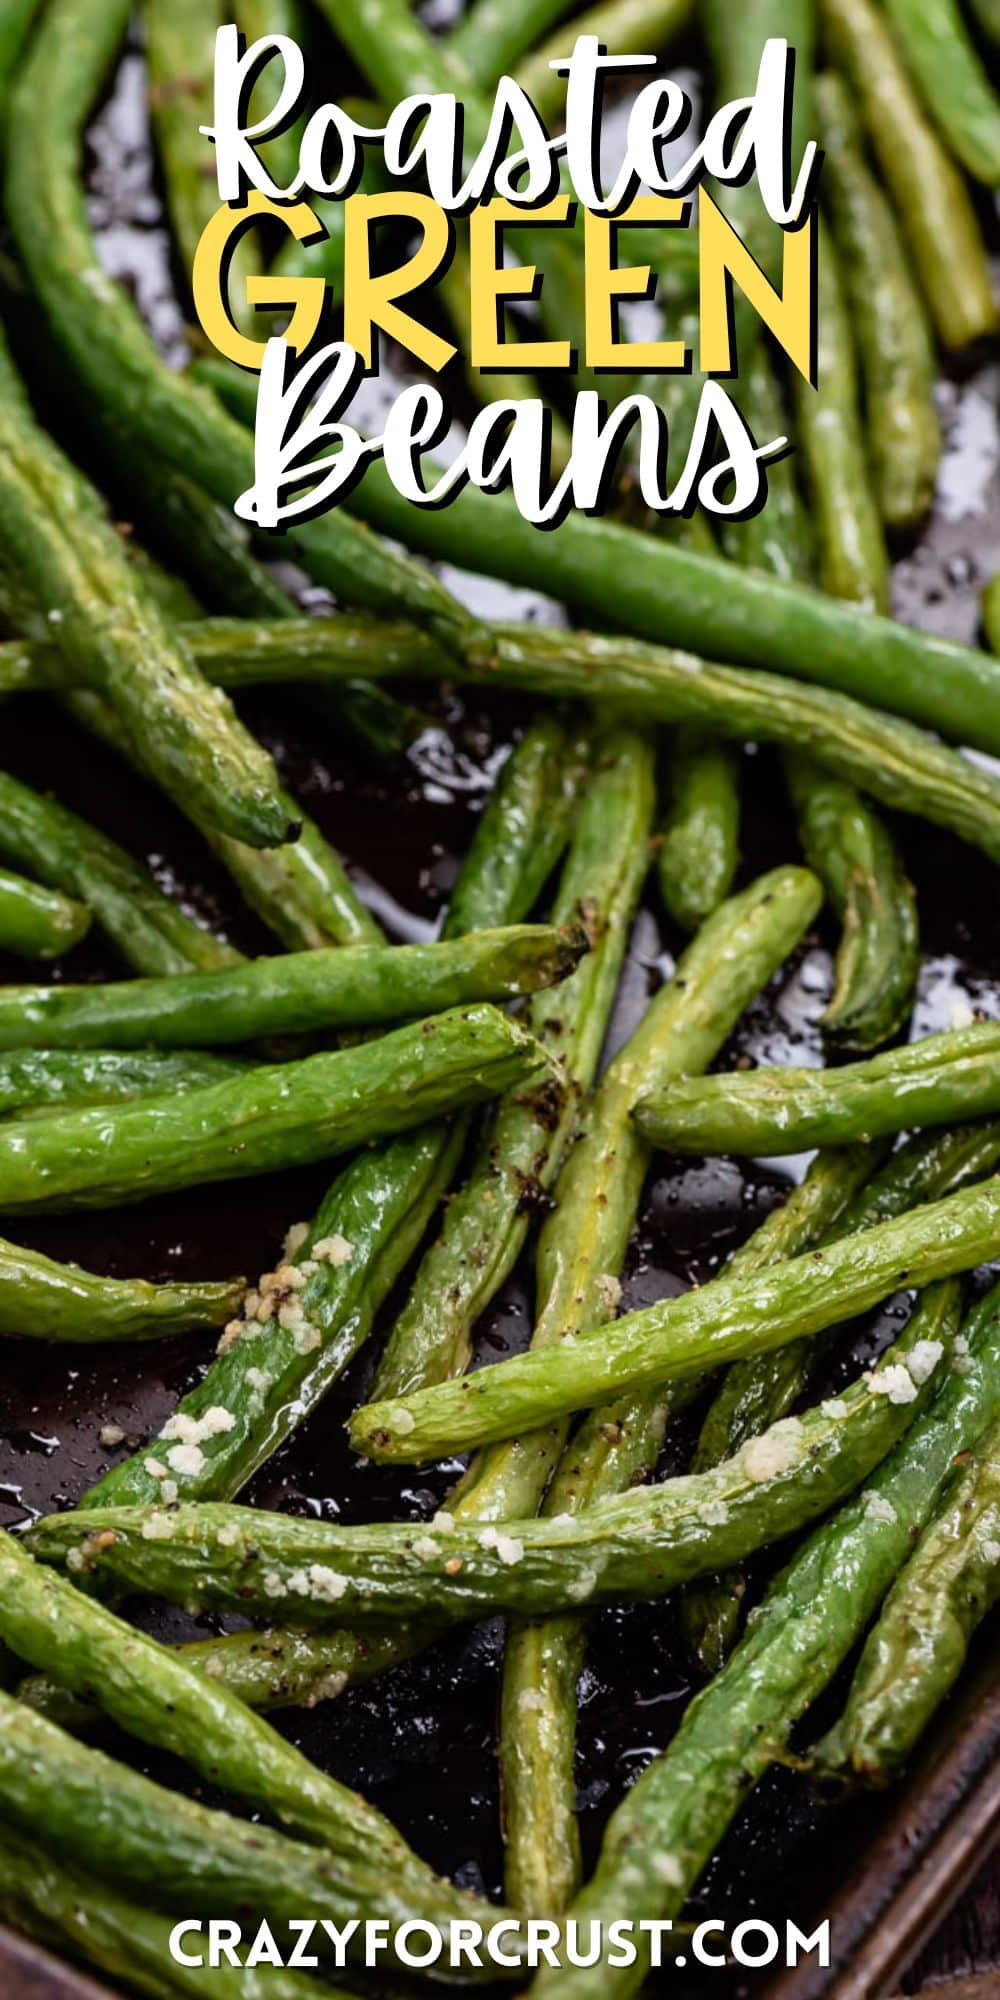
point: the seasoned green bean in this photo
(152, 933)
(151, 1693)
(486, 1222)
(755, 1394)
(724, 1321)
(699, 842)
(917, 1650)
(930, 1082)
(779, 539)
(41, 1300)
(180, 1855)
(670, 1822)
(36, 922)
(61, 1906)
(856, 859)
(614, 1448)
(927, 189)
(277, 1116)
(639, 1544)
(364, 986)
(887, 316)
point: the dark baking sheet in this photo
(421, 1742)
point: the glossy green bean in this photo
(42, 1300)
(153, 934)
(856, 859)
(725, 1321)
(933, 1081)
(33, 1080)
(277, 1116)
(917, 1650)
(624, 27)
(36, 922)
(699, 839)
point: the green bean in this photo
(256, 19)
(904, 767)
(927, 190)
(615, 1448)
(150, 1692)
(152, 934)
(725, 1321)
(145, 404)
(856, 859)
(755, 1394)
(779, 538)
(582, 1245)
(536, 795)
(949, 74)
(699, 843)
(930, 1082)
(15, 27)
(364, 986)
(486, 1222)
(736, 37)
(36, 922)
(622, 26)
(180, 1855)
(853, 562)
(671, 1821)
(74, 1912)
(180, 56)
(79, 594)
(32, 1080)
(665, 591)
(887, 314)
(274, 1365)
(283, 1115)
(41, 1300)
(640, 1544)
(917, 1650)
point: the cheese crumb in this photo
(294, 1240)
(197, 1430)
(775, 1452)
(111, 1434)
(444, 1522)
(896, 1382)
(531, 1701)
(158, 1528)
(961, 1355)
(833, 1407)
(609, 1292)
(716, 1514)
(228, 1538)
(879, 1509)
(991, 1552)
(325, 1584)
(668, 1870)
(426, 1548)
(923, 1359)
(186, 1459)
(213, 1667)
(507, 1547)
(333, 1250)
(75, 1560)
(169, 1492)
(961, 1015)
(273, 1583)
(155, 1468)
(258, 1378)
(230, 1335)
(402, 1421)
(326, 1688)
